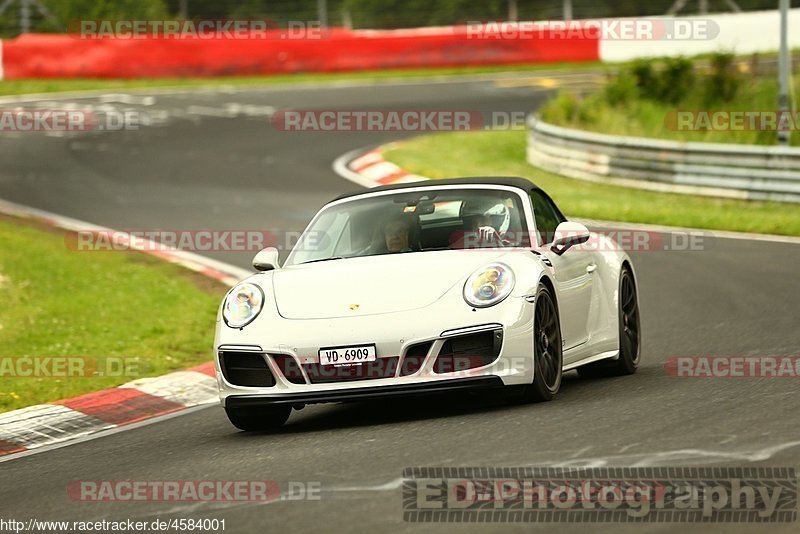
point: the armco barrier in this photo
(47, 55)
(714, 169)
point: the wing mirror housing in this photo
(568, 234)
(266, 260)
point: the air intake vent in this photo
(469, 351)
(245, 369)
(414, 358)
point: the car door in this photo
(573, 276)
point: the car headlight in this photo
(242, 304)
(489, 285)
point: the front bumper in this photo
(364, 393)
(276, 339)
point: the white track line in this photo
(103, 433)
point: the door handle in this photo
(591, 268)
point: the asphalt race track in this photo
(214, 161)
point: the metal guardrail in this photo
(716, 169)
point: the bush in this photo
(646, 78)
(723, 84)
(638, 98)
(563, 109)
(67, 11)
(621, 89)
(641, 80)
(676, 81)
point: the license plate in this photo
(347, 355)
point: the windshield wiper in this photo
(323, 259)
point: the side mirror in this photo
(569, 234)
(266, 260)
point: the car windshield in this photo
(414, 221)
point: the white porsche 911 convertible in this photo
(421, 288)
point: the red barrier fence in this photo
(65, 56)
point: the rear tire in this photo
(547, 355)
(261, 418)
(630, 346)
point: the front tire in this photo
(547, 355)
(258, 419)
(630, 346)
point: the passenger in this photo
(478, 232)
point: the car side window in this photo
(546, 215)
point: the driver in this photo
(397, 235)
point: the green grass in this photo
(99, 305)
(28, 86)
(643, 117)
(503, 153)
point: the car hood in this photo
(373, 285)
